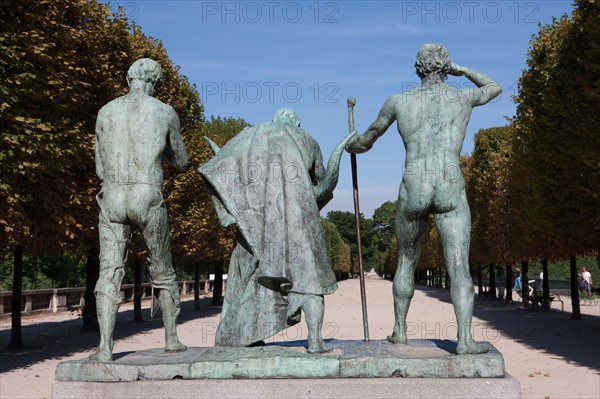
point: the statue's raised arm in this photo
(487, 88)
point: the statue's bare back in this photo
(433, 141)
(134, 132)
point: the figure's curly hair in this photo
(434, 59)
(145, 70)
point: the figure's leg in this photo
(170, 310)
(162, 274)
(455, 232)
(113, 250)
(314, 309)
(409, 232)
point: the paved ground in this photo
(551, 355)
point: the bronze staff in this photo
(363, 295)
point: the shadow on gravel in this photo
(545, 331)
(56, 340)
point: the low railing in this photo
(556, 286)
(62, 299)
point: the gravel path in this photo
(551, 355)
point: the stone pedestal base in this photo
(353, 369)
(448, 388)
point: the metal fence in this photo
(62, 299)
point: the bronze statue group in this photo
(271, 181)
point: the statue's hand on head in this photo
(456, 70)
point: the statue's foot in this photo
(394, 339)
(471, 348)
(175, 346)
(397, 337)
(102, 355)
(318, 347)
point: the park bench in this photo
(557, 289)
(531, 290)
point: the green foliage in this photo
(557, 148)
(384, 220)
(60, 61)
(45, 271)
(534, 185)
(339, 251)
(391, 258)
(432, 255)
(346, 226)
(489, 192)
(196, 232)
(6, 272)
(345, 223)
(559, 269)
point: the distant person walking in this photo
(517, 286)
(586, 279)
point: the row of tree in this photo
(376, 236)
(534, 185)
(60, 62)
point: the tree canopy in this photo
(557, 147)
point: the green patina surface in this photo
(270, 181)
(432, 120)
(133, 134)
(347, 359)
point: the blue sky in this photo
(249, 58)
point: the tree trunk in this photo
(447, 280)
(479, 281)
(498, 272)
(509, 284)
(492, 269)
(525, 283)
(545, 285)
(576, 315)
(197, 286)
(137, 288)
(217, 298)
(15, 331)
(90, 312)
(440, 277)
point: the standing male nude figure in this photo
(432, 119)
(133, 133)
